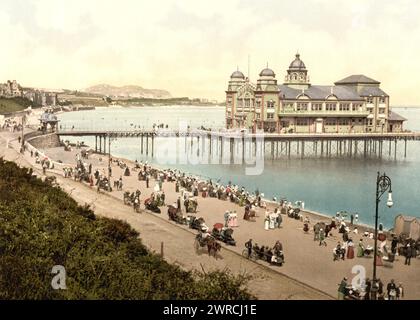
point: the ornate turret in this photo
(267, 80)
(237, 79)
(297, 74)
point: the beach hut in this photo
(407, 225)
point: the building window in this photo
(381, 99)
(316, 106)
(370, 122)
(270, 104)
(344, 107)
(356, 106)
(330, 122)
(331, 107)
(258, 104)
(302, 106)
(270, 115)
(302, 122)
(381, 110)
(369, 99)
(343, 122)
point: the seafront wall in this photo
(44, 141)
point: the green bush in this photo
(41, 226)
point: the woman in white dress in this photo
(267, 220)
(273, 219)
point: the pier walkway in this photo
(296, 144)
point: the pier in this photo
(366, 145)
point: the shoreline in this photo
(321, 215)
(312, 213)
(269, 283)
(306, 262)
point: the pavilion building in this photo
(355, 104)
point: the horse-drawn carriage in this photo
(104, 184)
(203, 240)
(195, 223)
(133, 199)
(223, 234)
(175, 214)
(325, 227)
(152, 205)
(294, 213)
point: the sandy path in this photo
(178, 242)
(306, 261)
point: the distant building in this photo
(353, 104)
(10, 89)
(41, 98)
(407, 225)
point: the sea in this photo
(325, 185)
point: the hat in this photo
(345, 278)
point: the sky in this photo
(191, 47)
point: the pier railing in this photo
(280, 144)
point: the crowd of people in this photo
(12, 125)
(370, 290)
(190, 188)
(273, 255)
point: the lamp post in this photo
(109, 162)
(23, 136)
(383, 184)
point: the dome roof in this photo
(297, 63)
(237, 75)
(267, 72)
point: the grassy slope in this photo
(8, 105)
(41, 226)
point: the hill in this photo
(9, 105)
(130, 91)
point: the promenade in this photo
(306, 261)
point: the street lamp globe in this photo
(389, 203)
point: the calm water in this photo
(326, 185)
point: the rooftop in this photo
(356, 79)
(318, 92)
(393, 116)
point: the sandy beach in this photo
(309, 271)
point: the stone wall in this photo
(45, 141)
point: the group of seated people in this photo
(268, 254)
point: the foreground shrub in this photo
(41, 226)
